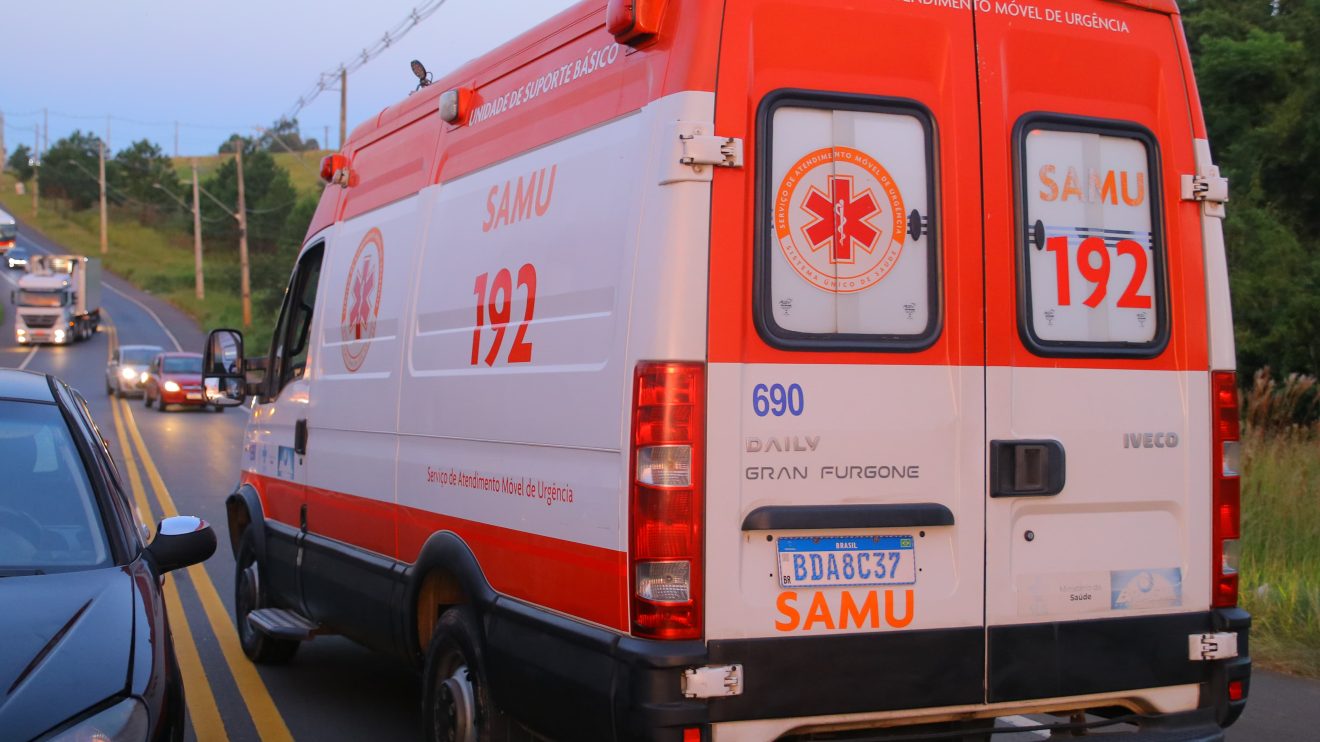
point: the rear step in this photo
(281, 623)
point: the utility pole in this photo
(325, 141)
(197, 233)
(176, 144)
(244, 286)
(107, 130)
(45, 131)
(105, 222)
(36, 171)
(4, 156)
(343, 106)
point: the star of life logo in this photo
(362, 291)
(839, 219)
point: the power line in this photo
(326, 80)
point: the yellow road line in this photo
(202, 707)
(261, 707)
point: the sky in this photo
(227, 66)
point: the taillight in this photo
(1226, 528)
(666, 507)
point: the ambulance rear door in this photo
(844, 506)
(1097, 387)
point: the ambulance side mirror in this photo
(223, 373)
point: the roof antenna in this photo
(423, 77)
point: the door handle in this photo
(1027, 468)
(826, 517)
(300, 437)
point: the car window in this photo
(183, 364)
(131, 521)
(847, 255)
(295, 328)
(1091, 252)
(49, 517)
(137, 356)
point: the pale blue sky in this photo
(229, 64)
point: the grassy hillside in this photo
(303, 168)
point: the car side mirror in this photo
(223, 368)
(181, 541)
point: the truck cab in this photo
(59, 300)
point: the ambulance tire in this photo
(260, 648)
(455, 697)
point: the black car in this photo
(85, 645)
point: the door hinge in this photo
(708, 149)
(713, 681)
(1210, 188)
(1219, 646)
(699, 152)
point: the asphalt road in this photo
(187, 462)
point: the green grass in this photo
(304, 169)
(1280, 559)
(158, 260)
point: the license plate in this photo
(194, 395)
(846, 561)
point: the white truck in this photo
(58, 300)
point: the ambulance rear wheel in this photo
(456, 701)
(249, 595)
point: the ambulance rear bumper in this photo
(570, 680)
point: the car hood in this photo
(66, 645)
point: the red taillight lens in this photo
(666, 508)
(331, 164)
(1226, 523)
(1236, 690)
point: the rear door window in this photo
(1091, 255)
(846, 248)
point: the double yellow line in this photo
(206, 718)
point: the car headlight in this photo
(143, 377)
(125, 721)
(128, 373)
(171, 386)
(59, 336)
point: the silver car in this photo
(123, 374)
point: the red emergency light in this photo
(332, 164)
(634, 22)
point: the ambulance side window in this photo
(847, 236)
(293, 335)
(1091, 253)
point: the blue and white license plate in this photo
(846, 561)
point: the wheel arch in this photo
(446, 573)
(243, 510)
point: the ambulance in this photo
(747, 370)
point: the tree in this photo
(69, 170)
(1258, 70)
(285, 136)
(135, 173)
(19, 163)
(269, 194)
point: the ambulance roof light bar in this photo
(634, 22)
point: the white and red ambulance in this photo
(746, 370)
